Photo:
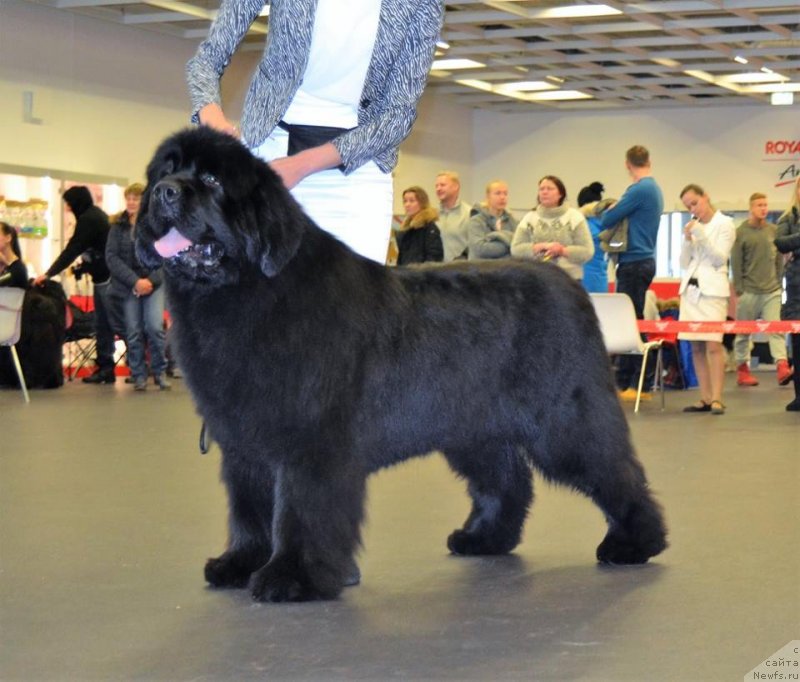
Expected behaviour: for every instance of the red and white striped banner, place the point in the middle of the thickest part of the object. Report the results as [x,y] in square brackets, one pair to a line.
[727,327]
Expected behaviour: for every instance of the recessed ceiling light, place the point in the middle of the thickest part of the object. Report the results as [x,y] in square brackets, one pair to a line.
[478,85]
[576,12]
[773,87]
[442,45]
[508,90]
[781,98]
[754,77]
[525,86]
[555,79]
[455,64]
[740,59]
[558,95]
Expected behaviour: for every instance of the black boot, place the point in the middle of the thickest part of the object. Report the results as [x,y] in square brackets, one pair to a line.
[101,376]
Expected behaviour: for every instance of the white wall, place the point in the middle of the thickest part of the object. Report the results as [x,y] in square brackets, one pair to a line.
[106,94]
[720,148]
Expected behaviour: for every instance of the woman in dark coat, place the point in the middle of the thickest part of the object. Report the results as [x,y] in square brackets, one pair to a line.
[139,290]
[13,272]
[787,240]
[419,240]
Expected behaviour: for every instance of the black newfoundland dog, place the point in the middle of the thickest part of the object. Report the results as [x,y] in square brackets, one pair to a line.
[314,367]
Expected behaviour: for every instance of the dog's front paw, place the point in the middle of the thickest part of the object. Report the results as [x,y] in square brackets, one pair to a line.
[274,583]
[615,549]
[231,569]
[467,544]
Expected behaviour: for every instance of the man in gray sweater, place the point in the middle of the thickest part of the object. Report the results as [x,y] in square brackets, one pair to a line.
[757,273]
[454,215]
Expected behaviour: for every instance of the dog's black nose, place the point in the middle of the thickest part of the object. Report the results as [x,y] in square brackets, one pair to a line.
[167,191]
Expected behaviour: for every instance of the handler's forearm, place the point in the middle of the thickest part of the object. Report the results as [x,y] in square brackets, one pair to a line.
[292,169]
[318,159]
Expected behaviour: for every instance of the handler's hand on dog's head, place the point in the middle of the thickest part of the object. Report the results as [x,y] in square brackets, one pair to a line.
[211,115]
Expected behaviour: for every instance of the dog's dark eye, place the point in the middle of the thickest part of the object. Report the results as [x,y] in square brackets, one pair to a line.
[209,179]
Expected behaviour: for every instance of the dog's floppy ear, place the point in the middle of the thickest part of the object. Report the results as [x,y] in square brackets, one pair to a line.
[142,234]
[281,224]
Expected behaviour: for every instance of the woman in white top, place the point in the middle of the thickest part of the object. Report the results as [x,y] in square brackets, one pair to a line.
[330,102]
[554,231]
[707,242]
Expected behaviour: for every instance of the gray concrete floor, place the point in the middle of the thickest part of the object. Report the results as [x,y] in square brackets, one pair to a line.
[107,513]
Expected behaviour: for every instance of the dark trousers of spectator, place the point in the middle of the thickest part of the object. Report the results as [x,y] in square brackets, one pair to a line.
[104,332]
[794,339]
[634,279]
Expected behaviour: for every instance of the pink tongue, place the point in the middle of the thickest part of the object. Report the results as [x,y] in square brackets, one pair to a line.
[171,243]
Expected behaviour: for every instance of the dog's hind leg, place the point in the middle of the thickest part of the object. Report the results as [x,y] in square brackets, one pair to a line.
[636,529]
[318,511]
[501,491]
[250,501]
[601,463]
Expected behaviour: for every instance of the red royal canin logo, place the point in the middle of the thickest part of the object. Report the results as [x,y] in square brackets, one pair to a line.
[785,153]
[782,147]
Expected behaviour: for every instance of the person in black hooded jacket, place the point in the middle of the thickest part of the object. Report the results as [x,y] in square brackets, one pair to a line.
[89,242]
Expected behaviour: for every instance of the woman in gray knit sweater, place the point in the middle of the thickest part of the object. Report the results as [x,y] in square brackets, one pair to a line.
[554,231]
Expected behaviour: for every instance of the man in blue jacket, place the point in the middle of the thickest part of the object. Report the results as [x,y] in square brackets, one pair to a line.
[642,204]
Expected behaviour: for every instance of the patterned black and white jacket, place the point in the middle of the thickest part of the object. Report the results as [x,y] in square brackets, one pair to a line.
[403,53]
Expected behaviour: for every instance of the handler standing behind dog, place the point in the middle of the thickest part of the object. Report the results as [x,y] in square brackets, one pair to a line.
[332,99]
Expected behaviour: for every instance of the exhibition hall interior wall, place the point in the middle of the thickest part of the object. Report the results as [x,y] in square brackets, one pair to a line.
[730,151]
[101,97]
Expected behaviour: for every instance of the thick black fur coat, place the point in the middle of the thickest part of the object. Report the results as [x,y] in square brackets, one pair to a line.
[313,367]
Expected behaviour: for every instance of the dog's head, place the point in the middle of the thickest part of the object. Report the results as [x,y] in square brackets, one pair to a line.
[213,212]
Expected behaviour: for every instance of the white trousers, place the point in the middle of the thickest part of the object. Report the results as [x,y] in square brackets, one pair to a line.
[355,208]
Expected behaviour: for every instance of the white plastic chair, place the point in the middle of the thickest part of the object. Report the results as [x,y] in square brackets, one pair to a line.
[621,335]
[10,327]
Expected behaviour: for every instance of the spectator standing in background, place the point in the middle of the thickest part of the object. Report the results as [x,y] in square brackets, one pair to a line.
[554,231]
[642,204]
[418,239]
[787,241]
[757,273]
[491,228]
[13,272]
[705,249]
[453,215]
[89,242]
[595,270]
[141,294]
